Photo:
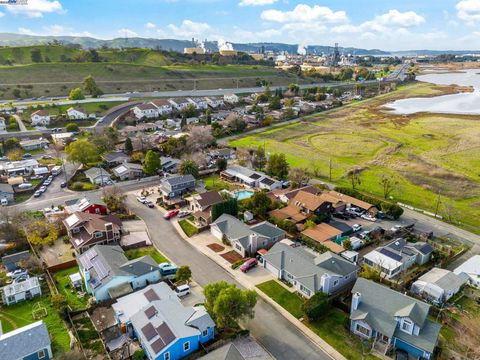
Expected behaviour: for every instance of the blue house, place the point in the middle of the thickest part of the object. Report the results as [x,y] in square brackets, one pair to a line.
[165,328]
[30,342]
[108,273]
[393,320]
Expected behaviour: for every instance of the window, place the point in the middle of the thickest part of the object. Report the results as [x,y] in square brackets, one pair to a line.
[41,354]
[362,330]
[205,333]
[305,290]
[98,234]
[407,326]
[186,346]
[166,356]
[335,283]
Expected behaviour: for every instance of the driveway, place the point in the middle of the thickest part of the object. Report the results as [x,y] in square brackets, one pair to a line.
[269,327]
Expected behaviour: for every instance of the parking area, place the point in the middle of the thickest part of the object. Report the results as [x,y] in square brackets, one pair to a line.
[195,297]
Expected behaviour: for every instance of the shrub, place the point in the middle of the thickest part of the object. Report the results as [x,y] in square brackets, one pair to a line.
[316,307]
[238,263]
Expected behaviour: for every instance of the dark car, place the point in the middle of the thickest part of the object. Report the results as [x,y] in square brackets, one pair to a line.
[341,215]
[63,184]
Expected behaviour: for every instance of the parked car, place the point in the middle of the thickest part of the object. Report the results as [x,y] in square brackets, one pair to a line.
[43,189]
[171,214]
[142,199]
[47,157]
[37,194]
[25,186]
[341,215]
[369,217]
[183,213]
[396,228]
[150,204]
[357,227]
[248,265]
[355,211]
[364,234]
[182,290]
[26,156]
[63,184]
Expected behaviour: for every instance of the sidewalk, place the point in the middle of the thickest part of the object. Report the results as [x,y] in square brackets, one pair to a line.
[254,277]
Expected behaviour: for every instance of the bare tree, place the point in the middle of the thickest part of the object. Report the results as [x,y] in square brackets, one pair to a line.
[114,198]
[389,184]
[244,157]
[299,176]
[198,158]
[354,177]
[199,138]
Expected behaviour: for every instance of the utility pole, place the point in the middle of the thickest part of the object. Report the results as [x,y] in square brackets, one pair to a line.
[330,168]
[438,204]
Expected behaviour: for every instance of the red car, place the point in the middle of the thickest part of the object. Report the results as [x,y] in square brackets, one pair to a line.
[248,265]
[171,214]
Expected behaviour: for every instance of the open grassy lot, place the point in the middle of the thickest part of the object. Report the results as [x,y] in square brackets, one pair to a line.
[289,301]
[64,286]
[188,228]
[15,316]
[427,154]
[149,250]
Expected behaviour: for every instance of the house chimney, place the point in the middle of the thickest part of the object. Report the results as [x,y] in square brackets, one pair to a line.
[356,298]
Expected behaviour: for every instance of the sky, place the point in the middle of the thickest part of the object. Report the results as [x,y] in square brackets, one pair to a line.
[380,24]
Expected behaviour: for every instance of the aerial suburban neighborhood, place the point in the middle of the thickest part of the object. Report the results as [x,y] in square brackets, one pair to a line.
[164,197]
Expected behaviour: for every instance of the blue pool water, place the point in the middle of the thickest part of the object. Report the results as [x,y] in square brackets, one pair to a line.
[243,194]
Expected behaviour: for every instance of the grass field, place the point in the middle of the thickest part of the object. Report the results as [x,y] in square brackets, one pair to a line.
[188,228]
[427,154]
[289,301]
[149,250]
[64,287]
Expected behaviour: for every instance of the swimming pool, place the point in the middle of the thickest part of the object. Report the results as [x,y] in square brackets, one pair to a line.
[243,194]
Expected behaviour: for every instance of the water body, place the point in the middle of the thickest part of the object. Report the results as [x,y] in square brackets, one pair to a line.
[464,103]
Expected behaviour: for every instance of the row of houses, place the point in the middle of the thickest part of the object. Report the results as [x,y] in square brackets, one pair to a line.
[42,117]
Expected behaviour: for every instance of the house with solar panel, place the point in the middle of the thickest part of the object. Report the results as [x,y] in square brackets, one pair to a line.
[249,177]
[108,274]
[398,256]
[166,329]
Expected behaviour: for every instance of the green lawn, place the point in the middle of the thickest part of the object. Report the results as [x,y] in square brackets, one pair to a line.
[188,228]
[15,316]
[214,183]
[65,287]
[289,301]
[149,250]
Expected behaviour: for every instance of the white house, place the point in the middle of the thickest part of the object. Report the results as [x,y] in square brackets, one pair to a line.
[230,98]
[199,103]
[164,107]
[179,104]
[214,102]
[98,176]
[40,117]
[3,126]
[145,111]
[76,114]
[438,285]
[470,270]
[21,291]
[249,177]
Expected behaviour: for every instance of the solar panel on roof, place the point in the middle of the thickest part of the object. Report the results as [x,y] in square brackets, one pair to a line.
[425,249]
[150,312]
[158,345]
[151,295]
[149,331]
[100,269]
[390,254]
[165,333]
[255,176]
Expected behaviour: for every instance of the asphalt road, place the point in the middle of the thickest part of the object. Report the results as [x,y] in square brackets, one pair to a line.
[269,327]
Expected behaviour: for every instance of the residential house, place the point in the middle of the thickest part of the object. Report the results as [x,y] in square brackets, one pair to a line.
[392,320]
[21,290]
[115,158]
[285,195]
[199,103]
[21,167]
[165,328]
[175,186]
[470,270]
[77,114]
[438,285]
[246,240]
[254,179]
[310,273]
[201,206]
[3,125]
[145,111]
[179,104]
[398,256]
[164,107]
[341,201]
[62,138]
[35,144]
[6,192]
[225,153]
[169,165]
[108,273]
[128,171]
[86,206]
[214,102]
[302,206]
[325,235]
[86,230]
[242,348]
[30,342]
[231,98]
[40,117]
[98,176]
[12,261]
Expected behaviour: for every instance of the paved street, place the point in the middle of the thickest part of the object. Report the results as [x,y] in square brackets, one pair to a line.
[269,327]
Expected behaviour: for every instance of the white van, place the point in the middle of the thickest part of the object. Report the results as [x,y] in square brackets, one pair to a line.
[182,290]
[4,202]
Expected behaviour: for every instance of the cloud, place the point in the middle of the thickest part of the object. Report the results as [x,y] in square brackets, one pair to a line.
[127,32]
[1,14]
[303,13]
[55,30]
[36,8]
[189,28]
[150,25]
[256,2]
[468,10]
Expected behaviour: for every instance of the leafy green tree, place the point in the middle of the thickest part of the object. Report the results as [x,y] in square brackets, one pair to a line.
[72,127]
[316,307]
[139,354]
[189,111]
[128,146]
[221,164]
[76,94]
[259,159]
[229,206]
[310,224]
[278,166]
[41,232]
[346,74]
[151,164]
[82,152]
[11,143]
[347,244]
[275,103]
[294,88]
[227,304]
[36,55]
[260,203]
[189,167]
[91,87]
[184,274]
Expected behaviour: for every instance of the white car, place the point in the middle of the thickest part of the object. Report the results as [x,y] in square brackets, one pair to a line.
[182,290]
[183,214]
[396,228]
[369,217]
[357,227]
[43,189]
[142,199]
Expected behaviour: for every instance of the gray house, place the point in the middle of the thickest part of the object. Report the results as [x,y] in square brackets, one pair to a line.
[309,273]
[176,186]
[6,192]
[393,320]
[98,176]
[128,171]
[30,342]
[12,261]
[438,285]
[246,240]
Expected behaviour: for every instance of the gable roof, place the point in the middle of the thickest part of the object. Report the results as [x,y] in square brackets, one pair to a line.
[21,287]
[161,102]
[21,342]
[177,180]
[322,232]
[444,279]
[232,227]
[41,113]
[96,172]
[350,200]
[309,189]
[116,156]
[14,258]
[209,198]
[307,200]
[470,267]
[147,106]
